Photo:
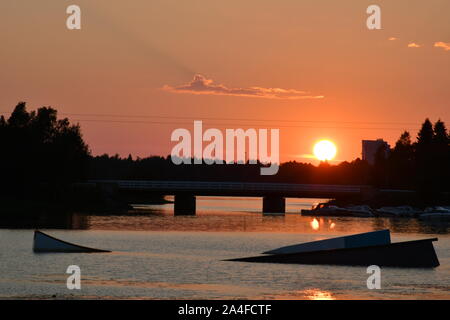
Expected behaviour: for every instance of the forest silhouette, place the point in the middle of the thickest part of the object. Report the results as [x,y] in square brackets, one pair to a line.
[42,154]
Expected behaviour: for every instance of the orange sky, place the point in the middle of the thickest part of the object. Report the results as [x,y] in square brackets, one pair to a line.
[110,75]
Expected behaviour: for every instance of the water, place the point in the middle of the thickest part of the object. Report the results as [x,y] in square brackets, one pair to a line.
[159,256]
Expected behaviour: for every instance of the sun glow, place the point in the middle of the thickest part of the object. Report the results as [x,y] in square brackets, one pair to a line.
[317,294]
[325,150]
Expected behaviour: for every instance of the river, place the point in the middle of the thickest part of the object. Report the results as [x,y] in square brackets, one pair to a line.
[158,256]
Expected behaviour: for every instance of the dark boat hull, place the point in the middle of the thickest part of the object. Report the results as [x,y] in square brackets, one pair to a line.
[409,254]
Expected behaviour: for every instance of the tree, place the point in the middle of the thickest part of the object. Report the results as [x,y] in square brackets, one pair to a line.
[380,172]
[440,133]
[401,162]
[426,133]
[2,122]
[19,117]
[38,148]
[404,142]
[431,157]
[441,156]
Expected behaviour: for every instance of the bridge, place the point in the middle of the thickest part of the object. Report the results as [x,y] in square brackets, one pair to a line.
[273,194]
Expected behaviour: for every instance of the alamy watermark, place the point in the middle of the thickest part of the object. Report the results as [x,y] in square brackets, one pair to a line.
[73,21]
[74,280]
[374,280]
[373,22]
[190,147]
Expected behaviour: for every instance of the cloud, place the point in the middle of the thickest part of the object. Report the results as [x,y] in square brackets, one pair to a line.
[444,45]
[202,85]
[413,45]
[392,38]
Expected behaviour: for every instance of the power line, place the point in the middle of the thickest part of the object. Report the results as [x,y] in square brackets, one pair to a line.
[233,119]
[218,119]
[246,125]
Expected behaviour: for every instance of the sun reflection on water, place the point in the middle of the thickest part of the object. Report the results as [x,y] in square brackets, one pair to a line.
[317,294]
[317,224]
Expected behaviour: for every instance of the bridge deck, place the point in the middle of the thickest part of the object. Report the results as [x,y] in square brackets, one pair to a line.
[234,188]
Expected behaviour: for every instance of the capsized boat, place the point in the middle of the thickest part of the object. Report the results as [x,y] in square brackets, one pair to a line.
[357,240]
[43,242]
[408,254]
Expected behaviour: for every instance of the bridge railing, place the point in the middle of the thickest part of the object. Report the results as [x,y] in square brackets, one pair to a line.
[229,186]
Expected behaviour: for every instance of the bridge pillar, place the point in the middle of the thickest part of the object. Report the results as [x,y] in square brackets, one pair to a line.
[274,204]
[184,205]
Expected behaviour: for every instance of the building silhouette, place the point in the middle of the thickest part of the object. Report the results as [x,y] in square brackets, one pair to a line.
[371,147]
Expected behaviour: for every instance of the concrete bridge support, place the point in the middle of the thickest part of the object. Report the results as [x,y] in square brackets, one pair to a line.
[274,204]
[184,205]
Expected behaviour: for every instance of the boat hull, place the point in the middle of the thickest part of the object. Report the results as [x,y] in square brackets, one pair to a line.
[409,254]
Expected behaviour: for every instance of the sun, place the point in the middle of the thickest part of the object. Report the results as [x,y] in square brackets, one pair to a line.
[325,150]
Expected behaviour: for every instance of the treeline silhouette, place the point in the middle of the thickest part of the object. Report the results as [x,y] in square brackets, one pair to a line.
[42,152]
[422,165]
[160,168]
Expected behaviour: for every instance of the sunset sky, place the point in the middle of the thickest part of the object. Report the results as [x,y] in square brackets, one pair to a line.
[139,69]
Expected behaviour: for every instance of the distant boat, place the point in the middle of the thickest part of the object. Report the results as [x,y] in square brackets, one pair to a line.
[436,213]
[408,254]
[353,241]
[326,210]
[45,243]
[399,211]
[435,216]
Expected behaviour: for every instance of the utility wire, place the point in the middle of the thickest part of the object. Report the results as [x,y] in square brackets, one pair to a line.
[222,119]
[246,125]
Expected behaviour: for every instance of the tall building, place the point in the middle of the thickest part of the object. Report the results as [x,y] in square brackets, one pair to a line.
[370,148]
